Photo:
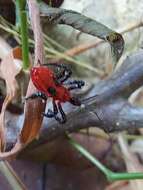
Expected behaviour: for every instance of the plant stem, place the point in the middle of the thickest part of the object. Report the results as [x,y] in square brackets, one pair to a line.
[86,154]
[53,42]
[11,176]
[21,4]
[57,53]
[68,58]
[107,172]
[125,176]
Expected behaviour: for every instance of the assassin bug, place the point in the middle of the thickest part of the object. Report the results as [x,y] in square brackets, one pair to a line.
[56,86]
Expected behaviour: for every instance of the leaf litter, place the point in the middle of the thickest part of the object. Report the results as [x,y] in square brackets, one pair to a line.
[32,108]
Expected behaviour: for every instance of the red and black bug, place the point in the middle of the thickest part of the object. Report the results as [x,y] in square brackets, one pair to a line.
[55,85]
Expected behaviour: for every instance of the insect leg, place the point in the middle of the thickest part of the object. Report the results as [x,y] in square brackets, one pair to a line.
[75,84]
[75,101]
[37,95]
[51,113]
[63,76]
[63,119]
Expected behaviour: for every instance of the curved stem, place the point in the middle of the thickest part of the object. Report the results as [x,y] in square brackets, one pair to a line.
[107,172]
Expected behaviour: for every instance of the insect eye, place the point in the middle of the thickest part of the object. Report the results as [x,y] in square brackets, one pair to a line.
[52,91]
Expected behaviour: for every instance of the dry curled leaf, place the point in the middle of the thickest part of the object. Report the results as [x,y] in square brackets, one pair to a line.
[10,67]
[33,117]
[86,25]
[33,108]
[31,126]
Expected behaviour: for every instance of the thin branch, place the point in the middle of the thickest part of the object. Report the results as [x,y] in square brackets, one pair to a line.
[132,27]
[38,37]
[111,104]
[82,48]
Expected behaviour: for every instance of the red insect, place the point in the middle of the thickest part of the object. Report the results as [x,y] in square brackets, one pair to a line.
[54,85]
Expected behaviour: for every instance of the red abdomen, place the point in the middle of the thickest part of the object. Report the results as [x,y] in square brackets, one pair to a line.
[43,79]
[63,94]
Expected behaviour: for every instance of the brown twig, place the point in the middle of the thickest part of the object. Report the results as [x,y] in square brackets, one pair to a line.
[82,48]
[38,37]
[132,27]
[111,104]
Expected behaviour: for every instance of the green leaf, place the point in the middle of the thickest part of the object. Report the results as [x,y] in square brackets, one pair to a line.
[86,25]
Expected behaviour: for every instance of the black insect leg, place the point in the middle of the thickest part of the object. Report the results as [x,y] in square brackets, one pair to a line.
[75,84]
[75,101]
[37,95]
[63,119]
[51,113]
[64,75]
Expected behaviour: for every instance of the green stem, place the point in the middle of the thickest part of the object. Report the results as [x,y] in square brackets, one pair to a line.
[87,155]
[24,32]
[107,172]
[125,176]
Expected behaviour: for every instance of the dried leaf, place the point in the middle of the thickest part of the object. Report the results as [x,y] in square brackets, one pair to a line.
[33,117]
[86,25]
[9,69]
[33,108]
[4,47]
[118,185]
[31,126]
[13,152]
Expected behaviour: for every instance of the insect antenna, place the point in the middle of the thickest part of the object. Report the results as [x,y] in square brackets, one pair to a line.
[89,98]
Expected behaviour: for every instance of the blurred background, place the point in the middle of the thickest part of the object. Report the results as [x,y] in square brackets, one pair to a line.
[67,169]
